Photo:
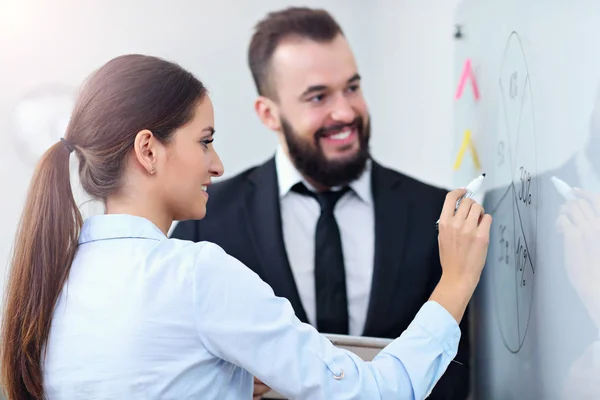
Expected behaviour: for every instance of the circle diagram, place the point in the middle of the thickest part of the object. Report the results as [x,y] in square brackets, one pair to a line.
[514,201]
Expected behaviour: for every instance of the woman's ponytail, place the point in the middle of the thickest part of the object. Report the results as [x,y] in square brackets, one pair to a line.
[44,248]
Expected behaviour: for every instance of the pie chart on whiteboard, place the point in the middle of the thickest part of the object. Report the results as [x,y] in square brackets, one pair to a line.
[512,254]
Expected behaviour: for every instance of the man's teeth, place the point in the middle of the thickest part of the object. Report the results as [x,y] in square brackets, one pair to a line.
[204,187]
[342,135]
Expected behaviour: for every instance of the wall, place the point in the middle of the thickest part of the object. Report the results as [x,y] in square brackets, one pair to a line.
[411,96]
[404,51]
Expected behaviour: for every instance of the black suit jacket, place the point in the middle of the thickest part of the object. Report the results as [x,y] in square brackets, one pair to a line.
[243,217]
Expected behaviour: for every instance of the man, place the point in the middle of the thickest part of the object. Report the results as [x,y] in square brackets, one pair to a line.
[364,268]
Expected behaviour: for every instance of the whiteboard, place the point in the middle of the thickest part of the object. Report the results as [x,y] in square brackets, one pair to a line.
[532,107]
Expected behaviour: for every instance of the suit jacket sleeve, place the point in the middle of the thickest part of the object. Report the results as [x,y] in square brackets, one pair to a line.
[187,230]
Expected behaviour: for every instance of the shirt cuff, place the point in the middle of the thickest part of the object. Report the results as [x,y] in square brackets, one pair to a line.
[437,321]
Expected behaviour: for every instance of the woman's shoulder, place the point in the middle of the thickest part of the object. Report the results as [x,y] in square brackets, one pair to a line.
[190,249]
[202,255]
[210,262]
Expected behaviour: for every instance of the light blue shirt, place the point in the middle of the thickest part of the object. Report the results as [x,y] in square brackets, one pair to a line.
[143,316]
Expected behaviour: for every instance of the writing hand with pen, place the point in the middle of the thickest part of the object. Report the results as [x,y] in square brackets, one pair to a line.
[579,224]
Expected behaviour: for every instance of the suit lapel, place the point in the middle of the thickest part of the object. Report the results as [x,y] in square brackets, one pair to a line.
[391,216]
[264,220]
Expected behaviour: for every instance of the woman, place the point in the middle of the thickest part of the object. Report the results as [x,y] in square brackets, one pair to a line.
[112,308]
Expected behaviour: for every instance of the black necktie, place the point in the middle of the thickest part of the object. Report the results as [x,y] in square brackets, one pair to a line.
[330,277]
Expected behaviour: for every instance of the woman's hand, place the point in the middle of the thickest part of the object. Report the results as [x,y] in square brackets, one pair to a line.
[463,239]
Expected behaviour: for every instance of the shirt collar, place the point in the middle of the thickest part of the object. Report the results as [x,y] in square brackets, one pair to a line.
[118,226]
[288,176]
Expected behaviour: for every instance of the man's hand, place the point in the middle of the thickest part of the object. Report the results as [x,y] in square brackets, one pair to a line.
[579,223]
[259,389]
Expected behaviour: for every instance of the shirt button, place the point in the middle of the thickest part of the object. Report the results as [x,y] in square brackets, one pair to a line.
[339,376]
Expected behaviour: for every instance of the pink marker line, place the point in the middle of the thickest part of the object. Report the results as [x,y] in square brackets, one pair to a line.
[467,73]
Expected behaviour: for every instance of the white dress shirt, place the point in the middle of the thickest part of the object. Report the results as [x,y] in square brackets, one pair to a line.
[146,317]
[354,214]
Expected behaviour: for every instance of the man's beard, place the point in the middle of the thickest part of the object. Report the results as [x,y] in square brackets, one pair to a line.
[310,160]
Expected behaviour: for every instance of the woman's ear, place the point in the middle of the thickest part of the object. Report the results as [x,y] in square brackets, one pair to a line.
[145,150]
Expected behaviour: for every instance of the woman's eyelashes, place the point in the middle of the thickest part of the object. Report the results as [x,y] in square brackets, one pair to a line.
[206,142]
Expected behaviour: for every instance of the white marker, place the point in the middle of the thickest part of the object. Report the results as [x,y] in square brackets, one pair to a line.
[565,190]
[472,189]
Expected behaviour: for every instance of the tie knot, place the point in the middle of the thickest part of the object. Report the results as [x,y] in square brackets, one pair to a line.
[327,199]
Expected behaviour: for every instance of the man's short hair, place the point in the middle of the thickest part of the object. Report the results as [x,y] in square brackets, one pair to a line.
[300,22]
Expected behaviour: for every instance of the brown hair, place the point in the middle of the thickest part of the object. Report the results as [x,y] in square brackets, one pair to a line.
[302,22]
[128,94]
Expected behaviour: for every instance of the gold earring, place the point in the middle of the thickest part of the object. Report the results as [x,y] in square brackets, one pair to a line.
[152,171]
